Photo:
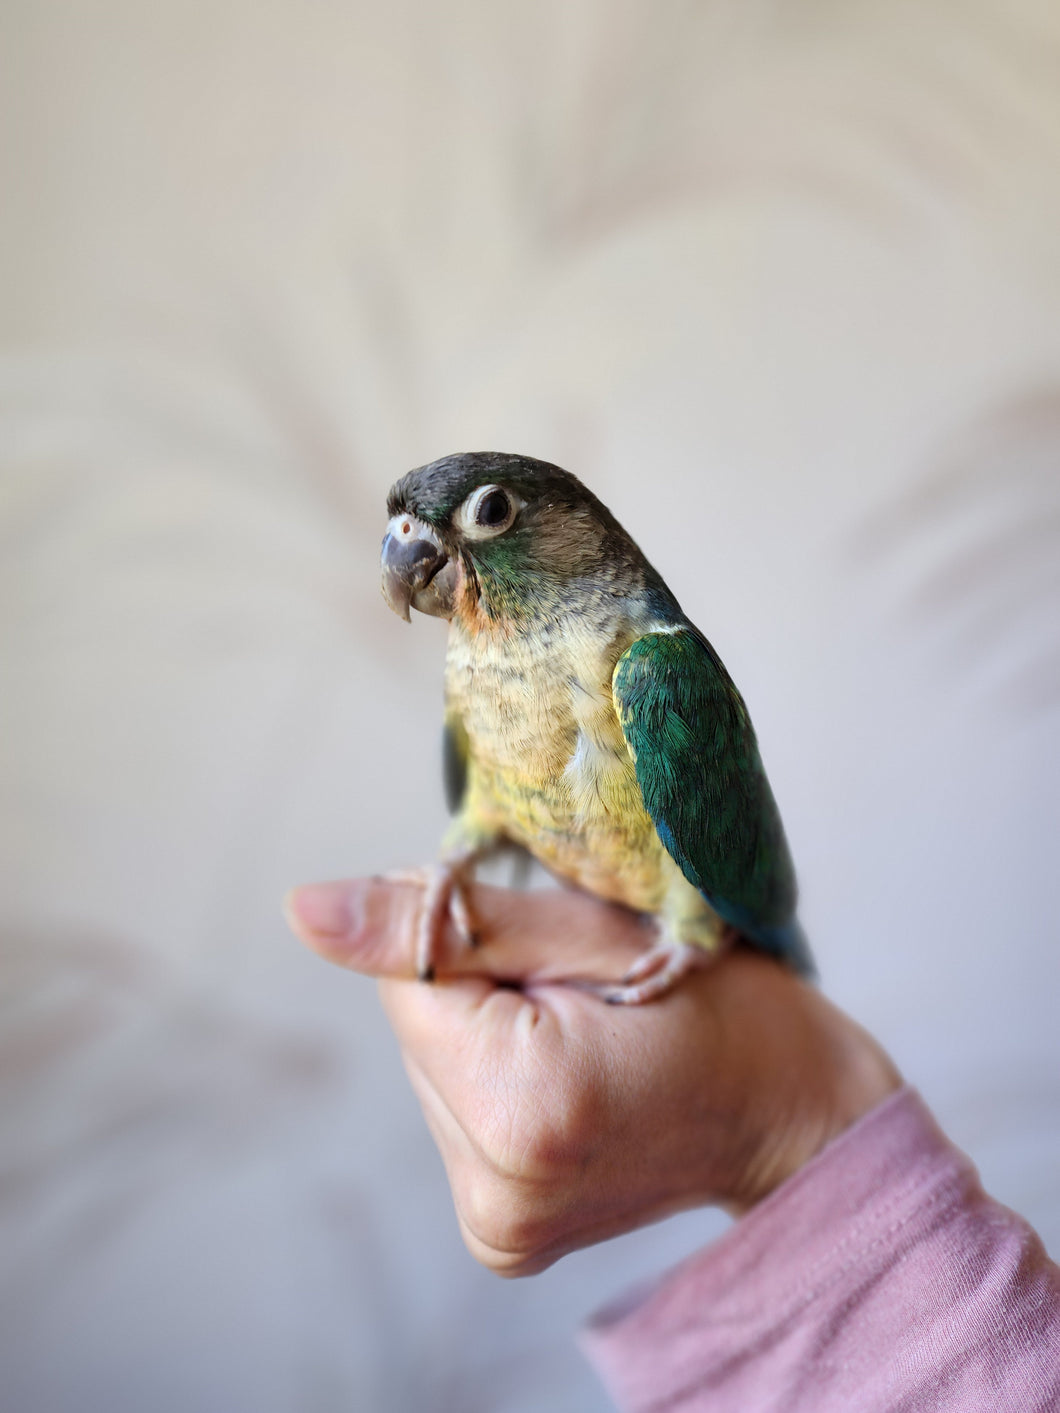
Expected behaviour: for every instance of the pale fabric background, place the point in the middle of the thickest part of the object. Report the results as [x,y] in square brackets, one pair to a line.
[782,282]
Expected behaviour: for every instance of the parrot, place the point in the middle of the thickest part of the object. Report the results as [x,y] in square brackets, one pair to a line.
[586,720]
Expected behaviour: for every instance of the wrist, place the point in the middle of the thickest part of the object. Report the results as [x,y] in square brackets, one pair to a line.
[807,1073]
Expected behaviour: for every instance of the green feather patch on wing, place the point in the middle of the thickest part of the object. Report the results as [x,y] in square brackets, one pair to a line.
[454,762]
[701,778]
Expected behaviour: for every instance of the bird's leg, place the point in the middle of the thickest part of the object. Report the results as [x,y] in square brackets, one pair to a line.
[688,935]
[458,867]
[446,895]
[444,899]
[657,970]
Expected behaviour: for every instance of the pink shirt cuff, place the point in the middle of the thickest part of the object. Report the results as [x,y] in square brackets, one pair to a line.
[880,1276]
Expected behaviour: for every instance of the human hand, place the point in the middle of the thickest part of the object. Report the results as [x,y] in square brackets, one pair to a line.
[562,1120]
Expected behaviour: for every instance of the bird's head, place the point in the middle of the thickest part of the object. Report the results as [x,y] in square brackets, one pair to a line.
[498,532]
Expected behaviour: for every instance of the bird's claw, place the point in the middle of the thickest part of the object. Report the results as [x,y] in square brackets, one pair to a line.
[655,972]
[445,897]
[460,913]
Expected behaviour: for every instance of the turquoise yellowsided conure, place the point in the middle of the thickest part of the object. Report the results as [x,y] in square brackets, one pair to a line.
[586,719]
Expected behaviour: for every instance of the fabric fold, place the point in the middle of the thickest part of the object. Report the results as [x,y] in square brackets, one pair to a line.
[879,1276]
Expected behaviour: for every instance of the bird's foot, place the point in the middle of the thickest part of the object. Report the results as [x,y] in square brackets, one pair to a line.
[445,899]
[657,971]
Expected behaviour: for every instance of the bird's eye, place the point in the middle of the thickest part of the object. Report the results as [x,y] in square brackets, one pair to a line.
[487,512]
[492,510]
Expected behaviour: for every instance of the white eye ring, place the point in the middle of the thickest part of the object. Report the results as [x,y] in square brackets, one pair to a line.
[466,517]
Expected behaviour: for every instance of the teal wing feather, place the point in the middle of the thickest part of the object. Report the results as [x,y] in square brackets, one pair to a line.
[704,786]
[454,762]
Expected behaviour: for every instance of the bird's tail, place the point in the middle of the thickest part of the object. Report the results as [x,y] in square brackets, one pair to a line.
[788,944]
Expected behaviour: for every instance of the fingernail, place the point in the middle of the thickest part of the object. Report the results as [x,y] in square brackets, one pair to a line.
[323,908]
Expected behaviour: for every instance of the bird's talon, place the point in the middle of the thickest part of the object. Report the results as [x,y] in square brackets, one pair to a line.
[444,899]
[656,972]
[460,914]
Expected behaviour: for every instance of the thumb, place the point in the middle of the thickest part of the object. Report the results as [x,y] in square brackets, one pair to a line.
[369,925]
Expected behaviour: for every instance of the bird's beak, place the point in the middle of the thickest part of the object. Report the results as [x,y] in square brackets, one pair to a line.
[417,571]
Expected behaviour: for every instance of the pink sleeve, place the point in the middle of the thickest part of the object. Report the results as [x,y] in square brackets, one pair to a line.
[880,1276]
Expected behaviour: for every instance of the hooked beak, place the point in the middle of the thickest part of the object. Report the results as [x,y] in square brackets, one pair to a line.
[417,572]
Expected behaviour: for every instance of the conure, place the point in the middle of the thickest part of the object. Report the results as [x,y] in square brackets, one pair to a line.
[586,718]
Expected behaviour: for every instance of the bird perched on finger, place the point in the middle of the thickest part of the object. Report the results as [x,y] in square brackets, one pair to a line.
[586,718]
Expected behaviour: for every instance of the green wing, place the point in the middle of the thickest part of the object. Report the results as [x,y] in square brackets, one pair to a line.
[703,784]
[454,762]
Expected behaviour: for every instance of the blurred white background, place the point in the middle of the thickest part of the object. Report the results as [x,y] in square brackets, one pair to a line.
[781,282]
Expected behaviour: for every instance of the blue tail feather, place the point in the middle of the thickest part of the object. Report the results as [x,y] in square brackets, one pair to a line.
[788,943]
